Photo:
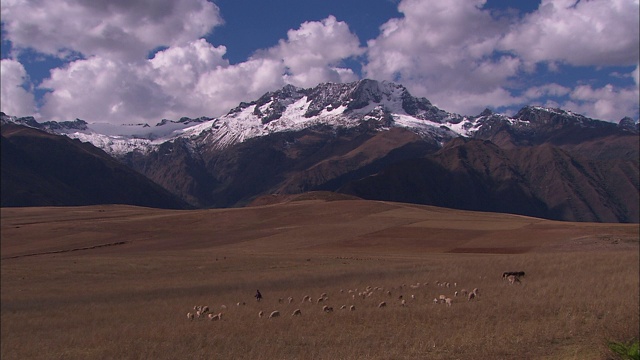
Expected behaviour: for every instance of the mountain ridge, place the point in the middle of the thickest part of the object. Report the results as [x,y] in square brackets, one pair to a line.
[350,137]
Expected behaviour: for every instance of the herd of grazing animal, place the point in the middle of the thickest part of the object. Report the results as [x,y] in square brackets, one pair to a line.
[404,295]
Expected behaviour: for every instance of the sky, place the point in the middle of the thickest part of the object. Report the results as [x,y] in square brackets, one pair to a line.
[140,61]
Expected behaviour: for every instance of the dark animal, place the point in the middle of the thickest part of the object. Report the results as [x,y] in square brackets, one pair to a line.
[514,273]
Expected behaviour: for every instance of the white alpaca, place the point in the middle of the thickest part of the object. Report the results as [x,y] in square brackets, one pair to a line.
[296,312]
[273,314]
[190,316]
[382,304]
[513,279]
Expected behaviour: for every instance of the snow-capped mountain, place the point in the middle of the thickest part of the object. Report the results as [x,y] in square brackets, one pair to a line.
[375,140]
[383,104]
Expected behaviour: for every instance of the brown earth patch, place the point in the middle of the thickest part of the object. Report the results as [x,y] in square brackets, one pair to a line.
[504,250]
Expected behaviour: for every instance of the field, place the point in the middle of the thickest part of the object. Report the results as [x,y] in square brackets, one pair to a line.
[116,282]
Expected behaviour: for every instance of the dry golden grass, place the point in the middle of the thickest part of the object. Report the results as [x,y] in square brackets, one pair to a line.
[130,300]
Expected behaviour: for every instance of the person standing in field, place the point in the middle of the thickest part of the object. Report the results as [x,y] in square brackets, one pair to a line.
[258,295]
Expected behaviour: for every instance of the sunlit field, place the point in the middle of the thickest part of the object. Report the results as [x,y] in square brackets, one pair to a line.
[117,282]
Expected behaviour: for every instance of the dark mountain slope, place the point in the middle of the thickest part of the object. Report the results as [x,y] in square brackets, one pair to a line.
[542,181]
[41,169]
[317,158]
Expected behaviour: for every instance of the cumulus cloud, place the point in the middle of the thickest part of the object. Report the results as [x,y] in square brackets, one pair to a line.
[445,50]
[312,52]
[458,54]
[464,58]
[101,89]
[111,29]
[578,32]
[607,102]
[194,79]
[16,100]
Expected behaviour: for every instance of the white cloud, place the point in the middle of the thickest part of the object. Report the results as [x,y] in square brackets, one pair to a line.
[538,92]
[112,29]
[445,51]
[194,79]
[606,103]
[15,99]
[463,59]
[455,53]
[100,89]
[597,32]
[312,52]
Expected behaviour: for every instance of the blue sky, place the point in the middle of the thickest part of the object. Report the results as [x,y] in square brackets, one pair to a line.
[144,60]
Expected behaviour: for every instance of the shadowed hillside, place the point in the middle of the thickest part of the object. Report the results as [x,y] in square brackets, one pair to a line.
[40,169]
[543,181]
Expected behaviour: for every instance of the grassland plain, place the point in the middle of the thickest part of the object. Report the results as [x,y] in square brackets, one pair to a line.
[116,282]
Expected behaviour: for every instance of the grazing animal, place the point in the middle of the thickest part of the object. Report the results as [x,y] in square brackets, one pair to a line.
[327,309]
[296,312]
[382,304]
[261,314]
[215,317]
[205,309]
[442,298]
[472,295]
[343,307]
[455,293]
[352,308]
[290,299]
[435,300]
[513,279]
[273,314]
[190,316]
[306,298]
[448,301]
[506,274]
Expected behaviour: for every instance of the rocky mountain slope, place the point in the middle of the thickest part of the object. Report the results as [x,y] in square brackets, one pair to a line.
[43,169]
[375,140]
